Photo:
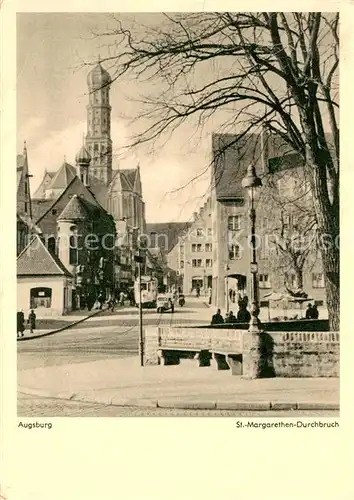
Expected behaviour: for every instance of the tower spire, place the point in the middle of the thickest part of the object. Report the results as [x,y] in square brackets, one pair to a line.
[24,148]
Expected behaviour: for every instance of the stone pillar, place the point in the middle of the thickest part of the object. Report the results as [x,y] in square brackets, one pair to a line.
[251,354]
[151,345]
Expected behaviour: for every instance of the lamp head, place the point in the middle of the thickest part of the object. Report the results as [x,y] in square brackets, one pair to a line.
[251,181]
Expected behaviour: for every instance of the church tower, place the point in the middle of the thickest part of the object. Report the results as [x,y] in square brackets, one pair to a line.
[98,139]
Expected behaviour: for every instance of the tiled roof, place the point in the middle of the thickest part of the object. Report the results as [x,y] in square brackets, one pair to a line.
[19,176]
[46,180]
[36,260]
[75,210]
[169,231]
[231,158]
[63,177]
[129,175]
[20,161]
[40,207]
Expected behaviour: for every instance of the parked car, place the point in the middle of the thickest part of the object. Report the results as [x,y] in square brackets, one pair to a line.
[165,302]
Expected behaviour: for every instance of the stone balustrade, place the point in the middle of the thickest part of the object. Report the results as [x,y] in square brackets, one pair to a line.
[268,354]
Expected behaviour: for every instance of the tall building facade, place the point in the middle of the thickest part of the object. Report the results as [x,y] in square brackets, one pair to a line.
[192,255]
[98,138]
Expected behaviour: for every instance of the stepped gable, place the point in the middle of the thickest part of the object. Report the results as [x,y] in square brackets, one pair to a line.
[36,260]
[63,177]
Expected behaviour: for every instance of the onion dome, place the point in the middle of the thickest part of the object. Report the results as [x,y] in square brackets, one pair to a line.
[83,157]
[98,77]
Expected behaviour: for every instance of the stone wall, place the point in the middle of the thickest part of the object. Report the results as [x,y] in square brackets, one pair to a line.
[269,354]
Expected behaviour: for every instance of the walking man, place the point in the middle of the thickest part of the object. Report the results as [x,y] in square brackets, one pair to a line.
[32,320]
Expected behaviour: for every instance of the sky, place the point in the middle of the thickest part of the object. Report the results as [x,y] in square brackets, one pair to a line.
[52,49]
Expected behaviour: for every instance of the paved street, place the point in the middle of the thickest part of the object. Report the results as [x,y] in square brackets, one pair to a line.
[109,335]
[29,406]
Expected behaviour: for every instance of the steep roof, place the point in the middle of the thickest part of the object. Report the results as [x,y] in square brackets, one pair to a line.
[231,157]
[36,260]
[63,177]
[20,161]
[45,182]
[40,207]
[129,175]
[169,231]
[75,210]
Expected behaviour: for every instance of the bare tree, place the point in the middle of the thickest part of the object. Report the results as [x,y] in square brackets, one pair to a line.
[271,68]
[289,235]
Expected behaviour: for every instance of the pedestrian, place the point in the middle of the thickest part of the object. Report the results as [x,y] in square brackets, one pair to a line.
[100,300]
[198,291]
[243,315]
[233,296]
[121,298]
[171,303]
[209,293]
[309,312]
[32,320]
[315,312]
[20,323]
[217,319]
[113,303]
[231,318]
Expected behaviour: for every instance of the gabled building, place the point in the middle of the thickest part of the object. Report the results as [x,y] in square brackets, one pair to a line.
[191,257]
[43,282]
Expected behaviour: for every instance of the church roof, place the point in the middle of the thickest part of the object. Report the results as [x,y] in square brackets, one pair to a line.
[98,77]
[36,260]
[123,180]
[40,207]
[76,209]
[129,175]
[46,180]
[63,177]
[20,161]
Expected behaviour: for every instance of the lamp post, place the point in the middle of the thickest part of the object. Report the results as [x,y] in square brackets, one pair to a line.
[227,286]
[252,183]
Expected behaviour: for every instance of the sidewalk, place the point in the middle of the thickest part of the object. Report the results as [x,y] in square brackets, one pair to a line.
[123,382]
[50,325]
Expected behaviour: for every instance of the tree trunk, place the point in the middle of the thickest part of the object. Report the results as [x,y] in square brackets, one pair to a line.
[327,215]
[299,278]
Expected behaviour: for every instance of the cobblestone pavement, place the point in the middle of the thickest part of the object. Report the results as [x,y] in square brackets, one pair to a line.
[28,406]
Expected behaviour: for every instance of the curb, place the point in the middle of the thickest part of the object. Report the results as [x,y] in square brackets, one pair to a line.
[186,405]
[66,327]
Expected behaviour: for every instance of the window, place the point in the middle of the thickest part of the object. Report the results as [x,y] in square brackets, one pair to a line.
[197,247]
[26,206]
[197,263]
[208,263]
[210,232]
[54,211]
[264,281]
[200,231]
[181,250]
[234,252]
[208,247]
[40,297]
[26,189]
[234,222]
[182,264]
[73,253]
[317,280]
[52,245]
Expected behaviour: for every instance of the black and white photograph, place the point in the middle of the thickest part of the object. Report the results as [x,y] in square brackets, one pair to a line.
[178,214]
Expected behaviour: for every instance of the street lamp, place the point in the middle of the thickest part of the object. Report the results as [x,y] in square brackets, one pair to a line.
[227,269]
[253,183]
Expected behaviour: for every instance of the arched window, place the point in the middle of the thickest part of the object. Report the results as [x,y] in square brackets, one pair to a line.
[73,252]
[51,245]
